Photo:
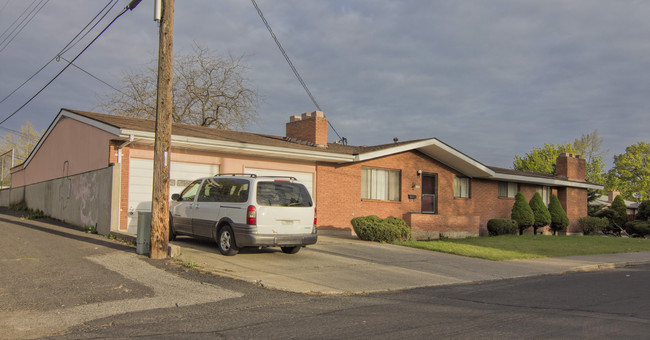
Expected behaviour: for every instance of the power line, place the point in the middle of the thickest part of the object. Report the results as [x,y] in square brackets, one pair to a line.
[43,2]
[293,68]
[69,45]
[20,16]
[130,6]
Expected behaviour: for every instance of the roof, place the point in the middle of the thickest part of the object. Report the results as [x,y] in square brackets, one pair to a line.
[142,131]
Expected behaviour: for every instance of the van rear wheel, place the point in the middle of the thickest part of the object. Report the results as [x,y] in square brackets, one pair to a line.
[226,241]
[290,250]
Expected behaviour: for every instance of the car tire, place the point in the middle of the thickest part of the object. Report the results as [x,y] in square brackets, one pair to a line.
[290,250]
[172,233]
[226,241]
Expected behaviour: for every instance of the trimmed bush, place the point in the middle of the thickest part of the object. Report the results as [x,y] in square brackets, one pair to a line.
[502,226]
[522,213]
[592,225]
[618,205]
[374,228]
[641,228]
[643,214]
[540,211]
[405,231]
[559,219]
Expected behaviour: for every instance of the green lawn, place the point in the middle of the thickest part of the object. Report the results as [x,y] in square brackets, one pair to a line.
[500,248]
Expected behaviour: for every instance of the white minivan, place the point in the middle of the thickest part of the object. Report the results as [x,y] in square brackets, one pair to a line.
[245,210]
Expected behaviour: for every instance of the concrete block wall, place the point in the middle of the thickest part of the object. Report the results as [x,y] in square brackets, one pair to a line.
[83,200]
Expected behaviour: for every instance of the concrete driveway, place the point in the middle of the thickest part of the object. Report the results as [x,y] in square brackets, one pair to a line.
[349,266]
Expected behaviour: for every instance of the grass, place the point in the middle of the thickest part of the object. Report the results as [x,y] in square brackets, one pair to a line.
[501,248]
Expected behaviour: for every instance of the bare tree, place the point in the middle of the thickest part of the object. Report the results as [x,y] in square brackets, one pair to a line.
[23,142]
[208,90]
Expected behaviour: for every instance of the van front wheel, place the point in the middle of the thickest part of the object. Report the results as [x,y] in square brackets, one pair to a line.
[290,250]
[226,241]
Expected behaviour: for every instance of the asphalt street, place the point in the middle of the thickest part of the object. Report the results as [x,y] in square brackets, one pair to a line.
[62,283]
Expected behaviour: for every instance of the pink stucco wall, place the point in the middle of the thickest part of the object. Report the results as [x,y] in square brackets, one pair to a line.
[71,148]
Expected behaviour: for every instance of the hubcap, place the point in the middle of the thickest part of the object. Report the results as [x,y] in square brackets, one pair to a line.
[225,240]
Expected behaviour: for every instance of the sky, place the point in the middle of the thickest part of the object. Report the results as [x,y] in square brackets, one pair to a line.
[493,79]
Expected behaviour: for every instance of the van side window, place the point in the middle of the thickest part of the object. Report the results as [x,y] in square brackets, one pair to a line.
[190,191]
[224,190]
[210,191]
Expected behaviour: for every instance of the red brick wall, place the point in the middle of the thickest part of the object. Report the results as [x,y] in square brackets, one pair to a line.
[574,202]
[339,197]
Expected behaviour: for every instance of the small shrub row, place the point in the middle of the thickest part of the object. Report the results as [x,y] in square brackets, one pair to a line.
[640,228]
[502,226]
[593,225]
[374,228]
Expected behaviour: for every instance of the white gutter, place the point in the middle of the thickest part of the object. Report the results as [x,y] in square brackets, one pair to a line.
[545,181]
[245,148]
[119,148]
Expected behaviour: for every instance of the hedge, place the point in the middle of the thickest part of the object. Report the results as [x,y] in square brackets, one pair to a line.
[641,228]
[592,225]
[502,226]
[374,228]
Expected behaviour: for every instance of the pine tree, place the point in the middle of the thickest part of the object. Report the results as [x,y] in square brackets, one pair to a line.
[559,219]
[522,213]
[618,205]
[540,211]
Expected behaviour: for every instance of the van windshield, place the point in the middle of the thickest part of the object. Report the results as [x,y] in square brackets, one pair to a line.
[283,194]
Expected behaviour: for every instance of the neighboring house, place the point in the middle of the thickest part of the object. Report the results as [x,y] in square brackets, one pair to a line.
[95,169]
[606,202]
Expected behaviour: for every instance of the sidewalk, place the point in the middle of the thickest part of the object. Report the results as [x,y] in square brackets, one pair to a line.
[347,266]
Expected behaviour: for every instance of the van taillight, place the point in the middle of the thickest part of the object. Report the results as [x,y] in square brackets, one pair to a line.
[251,215]
[315,219]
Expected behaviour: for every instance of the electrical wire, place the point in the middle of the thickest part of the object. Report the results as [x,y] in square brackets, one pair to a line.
[293,68]
[69,45]
[130,6]
[43,2]
[20,16]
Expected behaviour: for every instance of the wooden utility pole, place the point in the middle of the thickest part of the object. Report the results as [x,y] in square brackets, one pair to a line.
[162,146]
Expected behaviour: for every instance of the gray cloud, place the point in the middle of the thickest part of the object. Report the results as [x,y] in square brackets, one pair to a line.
[492,79]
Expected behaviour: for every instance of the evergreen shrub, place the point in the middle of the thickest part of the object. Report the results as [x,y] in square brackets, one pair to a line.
[640,228]
[502,226]
[559,219]
[522,213]
[374,228]
[592,225]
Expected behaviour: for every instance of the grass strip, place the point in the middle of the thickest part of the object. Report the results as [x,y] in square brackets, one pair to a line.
[511,247]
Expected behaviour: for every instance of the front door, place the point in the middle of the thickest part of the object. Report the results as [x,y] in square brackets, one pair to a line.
[429,190]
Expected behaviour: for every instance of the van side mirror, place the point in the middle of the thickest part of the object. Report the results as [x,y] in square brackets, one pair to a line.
[176,197]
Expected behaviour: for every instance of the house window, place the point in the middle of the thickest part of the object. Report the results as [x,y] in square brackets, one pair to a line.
[380,184]
[461,187]
[507,189]
[545,192]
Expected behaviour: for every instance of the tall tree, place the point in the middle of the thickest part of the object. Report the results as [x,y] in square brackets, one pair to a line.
[631,171]
[542,159]
[208,90]
[589,146]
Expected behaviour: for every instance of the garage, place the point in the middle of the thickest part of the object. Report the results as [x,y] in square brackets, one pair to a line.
[141,182]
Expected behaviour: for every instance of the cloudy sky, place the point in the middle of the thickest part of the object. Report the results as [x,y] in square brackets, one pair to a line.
[493,79]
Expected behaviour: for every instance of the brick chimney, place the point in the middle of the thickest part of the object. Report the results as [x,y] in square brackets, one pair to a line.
[612,195]
[571,166]
[308,128]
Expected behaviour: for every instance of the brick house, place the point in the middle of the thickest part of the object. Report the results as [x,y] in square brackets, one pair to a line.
[435,188]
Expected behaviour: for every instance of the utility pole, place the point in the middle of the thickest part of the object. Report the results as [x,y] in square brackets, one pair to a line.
[162,146]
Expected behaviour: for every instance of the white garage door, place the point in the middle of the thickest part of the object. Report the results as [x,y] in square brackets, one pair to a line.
[141,182]
[306,178]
